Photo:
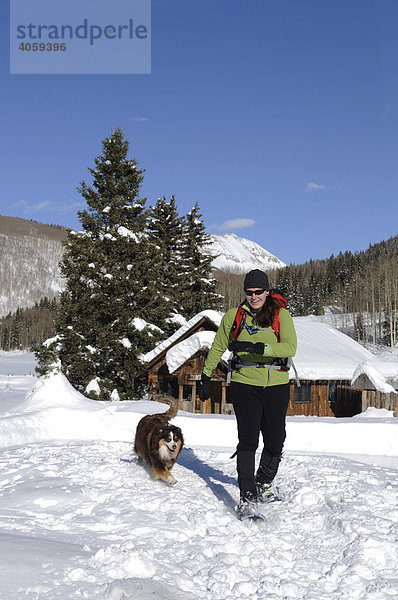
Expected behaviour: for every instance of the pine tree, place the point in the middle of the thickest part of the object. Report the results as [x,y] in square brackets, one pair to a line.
[165,228]
[198,287]
[106,311]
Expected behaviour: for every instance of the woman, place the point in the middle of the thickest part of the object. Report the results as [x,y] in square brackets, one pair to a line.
[259,388]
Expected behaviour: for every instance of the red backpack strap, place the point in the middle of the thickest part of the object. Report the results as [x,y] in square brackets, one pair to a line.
[239,323]
[275,324]
[281,300]
[282,304]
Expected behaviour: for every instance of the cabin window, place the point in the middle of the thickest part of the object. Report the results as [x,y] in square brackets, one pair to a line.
[170,386]
[187,392]
[302,394]
[333,391]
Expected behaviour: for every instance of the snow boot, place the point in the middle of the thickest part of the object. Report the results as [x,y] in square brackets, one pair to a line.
[247,507]
[268,468]
[245,463]
[265,493]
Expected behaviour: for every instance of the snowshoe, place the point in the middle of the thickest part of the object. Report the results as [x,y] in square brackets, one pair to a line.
[247,509]
[266,493]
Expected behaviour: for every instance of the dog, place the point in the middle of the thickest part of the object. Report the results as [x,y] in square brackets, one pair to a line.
[158,443]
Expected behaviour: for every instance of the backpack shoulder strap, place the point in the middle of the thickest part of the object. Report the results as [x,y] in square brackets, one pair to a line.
[282,304]
[275,324]
[239,322]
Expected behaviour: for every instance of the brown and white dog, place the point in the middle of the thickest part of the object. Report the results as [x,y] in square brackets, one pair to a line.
[158,443]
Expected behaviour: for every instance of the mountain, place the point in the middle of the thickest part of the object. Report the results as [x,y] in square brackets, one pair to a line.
[30,254]
[29,257]
[232,253]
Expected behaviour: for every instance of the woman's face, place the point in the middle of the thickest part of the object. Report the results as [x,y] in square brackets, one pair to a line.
[256,300]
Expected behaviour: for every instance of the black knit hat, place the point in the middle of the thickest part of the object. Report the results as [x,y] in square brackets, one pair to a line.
[256,279]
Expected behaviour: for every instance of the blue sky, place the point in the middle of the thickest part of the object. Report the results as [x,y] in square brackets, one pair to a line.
[278,116]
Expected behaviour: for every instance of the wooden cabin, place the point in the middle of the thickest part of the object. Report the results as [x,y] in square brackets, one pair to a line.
[177,375]
[378,385]
[324,398]
[326,360]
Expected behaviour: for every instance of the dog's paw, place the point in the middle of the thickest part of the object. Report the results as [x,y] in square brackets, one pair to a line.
[171,480]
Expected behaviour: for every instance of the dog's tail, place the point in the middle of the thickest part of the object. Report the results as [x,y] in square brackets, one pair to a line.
[173,407]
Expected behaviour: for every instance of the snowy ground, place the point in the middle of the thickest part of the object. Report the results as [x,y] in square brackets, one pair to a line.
[80,519]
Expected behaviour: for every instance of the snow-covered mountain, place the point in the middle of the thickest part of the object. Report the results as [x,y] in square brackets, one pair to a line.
[30,254]
[238,254]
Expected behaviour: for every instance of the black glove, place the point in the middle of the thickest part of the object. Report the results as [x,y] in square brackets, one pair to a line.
[204,387]
[257,348]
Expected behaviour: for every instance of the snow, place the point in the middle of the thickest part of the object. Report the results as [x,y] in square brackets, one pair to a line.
[93,386]
[126,343]
[140,324]
[376,413]
[47,343]
[124,232]
[177,319]
[81,519]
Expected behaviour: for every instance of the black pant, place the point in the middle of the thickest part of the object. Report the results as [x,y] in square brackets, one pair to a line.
[258,409]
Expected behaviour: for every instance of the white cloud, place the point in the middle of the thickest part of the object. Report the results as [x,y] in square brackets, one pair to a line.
[46,206]
[18,204]
[69,208]
[139,119]
[315,187]
[235,224]
[40,206]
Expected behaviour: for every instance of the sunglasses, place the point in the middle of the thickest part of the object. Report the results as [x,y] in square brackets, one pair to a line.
[254,292]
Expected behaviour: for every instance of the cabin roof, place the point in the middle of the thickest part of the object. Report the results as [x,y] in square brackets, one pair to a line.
[212,317]
[323,352]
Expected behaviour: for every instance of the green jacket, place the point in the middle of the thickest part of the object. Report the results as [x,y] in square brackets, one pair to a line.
[286,347]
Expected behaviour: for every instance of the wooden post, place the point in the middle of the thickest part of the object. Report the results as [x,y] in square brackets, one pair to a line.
[223,396]
[194,391]
[364,401]
[206,407]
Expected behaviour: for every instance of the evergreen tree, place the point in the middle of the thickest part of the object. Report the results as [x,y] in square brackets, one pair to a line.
[165,228]
[111,301]
[197,284]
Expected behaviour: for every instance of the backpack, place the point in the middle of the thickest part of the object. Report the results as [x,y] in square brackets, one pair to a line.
[240,317]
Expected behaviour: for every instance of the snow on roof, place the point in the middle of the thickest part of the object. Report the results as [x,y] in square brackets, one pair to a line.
[178,354]
[377,378]
[212,315]
[388,367]
[326,353]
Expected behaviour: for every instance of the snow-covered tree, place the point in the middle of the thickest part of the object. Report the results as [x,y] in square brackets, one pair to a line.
[165,229]
[111,309]
[197,284]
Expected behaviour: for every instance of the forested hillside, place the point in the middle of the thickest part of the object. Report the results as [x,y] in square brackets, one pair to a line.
[28,327]
[29,257]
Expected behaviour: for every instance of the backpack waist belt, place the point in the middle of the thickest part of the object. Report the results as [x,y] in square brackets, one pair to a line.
[279,364]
